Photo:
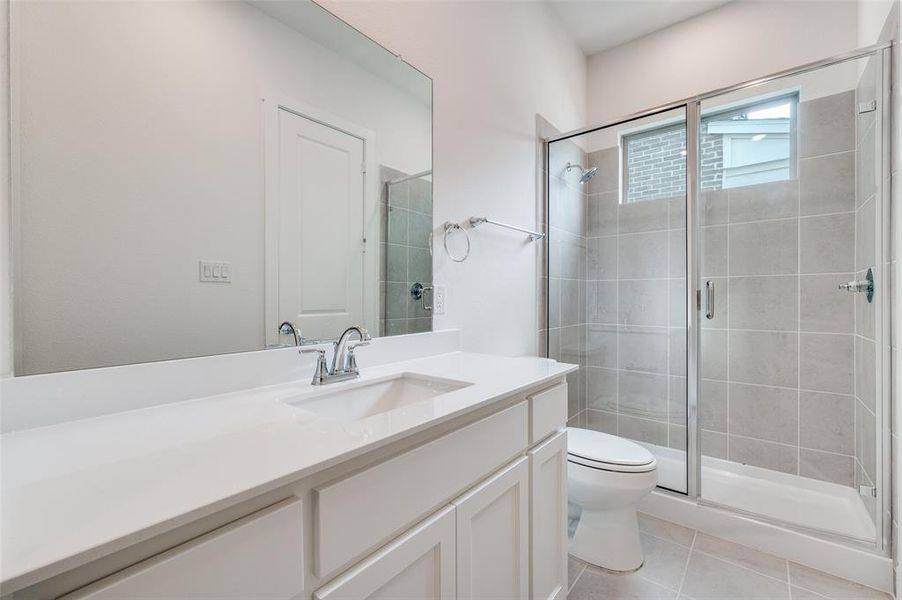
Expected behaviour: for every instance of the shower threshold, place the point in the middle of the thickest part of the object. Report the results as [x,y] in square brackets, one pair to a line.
[791,499]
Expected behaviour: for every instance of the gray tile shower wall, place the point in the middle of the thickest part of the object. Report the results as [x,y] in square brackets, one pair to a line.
[781,360]
[406,211]
[635,316]
[567,264]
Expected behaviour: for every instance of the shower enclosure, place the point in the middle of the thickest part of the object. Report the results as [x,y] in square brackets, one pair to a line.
[405,280]
[720,280]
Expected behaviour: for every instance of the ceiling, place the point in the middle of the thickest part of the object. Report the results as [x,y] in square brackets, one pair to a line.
[597,25]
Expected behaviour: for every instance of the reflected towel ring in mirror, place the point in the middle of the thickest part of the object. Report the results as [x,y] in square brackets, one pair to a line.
[449,229]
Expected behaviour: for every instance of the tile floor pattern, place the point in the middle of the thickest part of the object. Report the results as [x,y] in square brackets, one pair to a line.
[690,565]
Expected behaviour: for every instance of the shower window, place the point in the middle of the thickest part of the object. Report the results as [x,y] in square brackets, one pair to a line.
[746,145]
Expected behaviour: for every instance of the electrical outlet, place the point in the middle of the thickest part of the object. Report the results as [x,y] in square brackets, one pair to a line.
[438,301]
[215,271]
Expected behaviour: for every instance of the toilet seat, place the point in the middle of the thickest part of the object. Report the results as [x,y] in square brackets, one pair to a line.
[605,452]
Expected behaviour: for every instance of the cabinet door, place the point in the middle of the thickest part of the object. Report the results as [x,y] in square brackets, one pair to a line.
[493,537]
[548,518]
[418,565]
[260,556]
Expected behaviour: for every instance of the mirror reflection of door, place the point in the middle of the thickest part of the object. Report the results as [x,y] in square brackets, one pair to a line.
[321,229]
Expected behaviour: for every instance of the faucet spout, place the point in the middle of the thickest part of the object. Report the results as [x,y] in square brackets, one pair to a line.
[340,356]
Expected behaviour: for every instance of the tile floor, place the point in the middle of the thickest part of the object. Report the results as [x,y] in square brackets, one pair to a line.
[690,565]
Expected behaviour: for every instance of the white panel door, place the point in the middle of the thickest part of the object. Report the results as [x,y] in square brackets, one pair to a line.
[417,566]
[493,537]
[548,519]
[321,229]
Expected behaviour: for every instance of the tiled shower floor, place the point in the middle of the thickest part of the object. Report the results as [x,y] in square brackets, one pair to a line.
[690,565]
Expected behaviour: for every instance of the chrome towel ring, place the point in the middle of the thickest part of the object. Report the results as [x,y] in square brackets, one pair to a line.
[451,228]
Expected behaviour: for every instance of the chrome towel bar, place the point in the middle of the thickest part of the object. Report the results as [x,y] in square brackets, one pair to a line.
[533,235]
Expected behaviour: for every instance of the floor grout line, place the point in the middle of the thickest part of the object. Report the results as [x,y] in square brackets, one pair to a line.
[686,567]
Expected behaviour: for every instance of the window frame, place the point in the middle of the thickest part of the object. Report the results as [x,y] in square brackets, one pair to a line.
[741,107]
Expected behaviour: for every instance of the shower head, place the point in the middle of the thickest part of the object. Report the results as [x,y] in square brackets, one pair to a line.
[585,174]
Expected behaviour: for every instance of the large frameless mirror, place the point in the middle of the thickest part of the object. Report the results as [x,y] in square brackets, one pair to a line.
[187,176]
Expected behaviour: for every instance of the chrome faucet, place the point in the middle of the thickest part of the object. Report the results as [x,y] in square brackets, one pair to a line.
[288,327]
[344,363]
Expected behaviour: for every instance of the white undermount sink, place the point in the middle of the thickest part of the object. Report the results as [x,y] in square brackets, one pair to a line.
[373,398]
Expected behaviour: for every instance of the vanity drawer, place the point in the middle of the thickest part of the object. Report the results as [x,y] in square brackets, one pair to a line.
[547,412]
[258,556]
[358,513]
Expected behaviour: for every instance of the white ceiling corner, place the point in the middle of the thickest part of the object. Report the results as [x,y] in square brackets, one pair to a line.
[598,25]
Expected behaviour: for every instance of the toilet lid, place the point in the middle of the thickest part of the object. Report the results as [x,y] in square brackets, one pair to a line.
[595,446]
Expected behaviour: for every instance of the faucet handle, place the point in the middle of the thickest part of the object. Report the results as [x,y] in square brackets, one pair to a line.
[321,373]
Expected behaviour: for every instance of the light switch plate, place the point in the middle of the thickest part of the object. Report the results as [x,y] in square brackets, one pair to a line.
[438,302]
[215,271]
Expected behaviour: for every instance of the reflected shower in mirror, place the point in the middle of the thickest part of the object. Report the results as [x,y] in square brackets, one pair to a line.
[190,175]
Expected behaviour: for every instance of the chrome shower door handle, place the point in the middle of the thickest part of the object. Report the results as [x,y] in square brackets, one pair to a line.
[709,299]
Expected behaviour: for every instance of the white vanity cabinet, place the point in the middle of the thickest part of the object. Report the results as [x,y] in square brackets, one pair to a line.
[419,564]
[548,518]
[492,534]
[475,511]
[260,556]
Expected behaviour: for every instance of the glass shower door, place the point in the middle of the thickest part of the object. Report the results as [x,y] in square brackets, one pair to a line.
[789,214]
[617,282]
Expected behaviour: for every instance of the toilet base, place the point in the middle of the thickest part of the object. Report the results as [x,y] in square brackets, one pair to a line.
[608,539]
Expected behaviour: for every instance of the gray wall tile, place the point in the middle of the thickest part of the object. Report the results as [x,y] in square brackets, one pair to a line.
[764,201]
[649,215]
[865,372]
[601,302]
[712,406]
[770,302]
[826,362]
[827,184]
[826,244]
[827,125]
[601,388]
[643,255]
[601,218]
[827,422]
[714,444]
[824,307]
[714,207]
[643,302]
[601,258]
[643,349]
[865,236]
[601,346]
[643,430]
[643,395]
[768,455]
[767,248]
[835,468]
[604,421]
[764,357]
[765,413]
[712,258]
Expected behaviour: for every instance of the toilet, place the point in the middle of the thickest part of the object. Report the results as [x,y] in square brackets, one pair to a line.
[607,476]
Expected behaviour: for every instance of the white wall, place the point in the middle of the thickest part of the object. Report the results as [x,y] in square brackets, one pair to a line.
[495,65]
[137,163]
[738,41]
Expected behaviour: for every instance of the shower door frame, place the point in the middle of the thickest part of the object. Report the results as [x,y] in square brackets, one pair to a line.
[692,107]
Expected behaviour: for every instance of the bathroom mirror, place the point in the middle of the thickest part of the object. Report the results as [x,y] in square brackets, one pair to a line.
[189,175]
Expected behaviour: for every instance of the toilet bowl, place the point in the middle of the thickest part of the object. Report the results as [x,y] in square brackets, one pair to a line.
[607,476]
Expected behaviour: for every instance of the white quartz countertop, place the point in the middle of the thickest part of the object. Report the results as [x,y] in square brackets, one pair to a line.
[74,492]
